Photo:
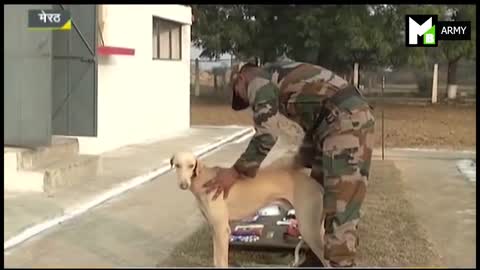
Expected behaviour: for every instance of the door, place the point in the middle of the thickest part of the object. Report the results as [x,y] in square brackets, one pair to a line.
[74,97]
[28,79]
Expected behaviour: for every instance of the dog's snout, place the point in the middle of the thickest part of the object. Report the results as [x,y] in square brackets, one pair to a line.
[184,185]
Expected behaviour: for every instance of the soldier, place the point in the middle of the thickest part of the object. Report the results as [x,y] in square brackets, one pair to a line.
[339,126]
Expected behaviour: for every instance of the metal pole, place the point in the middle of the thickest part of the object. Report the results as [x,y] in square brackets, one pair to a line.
[355,75]
[383,118]
[197,78]
[435,84]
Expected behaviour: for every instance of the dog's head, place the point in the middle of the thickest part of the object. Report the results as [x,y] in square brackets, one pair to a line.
[187,167]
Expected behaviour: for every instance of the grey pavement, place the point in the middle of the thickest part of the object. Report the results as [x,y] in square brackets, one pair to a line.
[424,154]
[445,205]
[140,228]
[444,199]
[137,229]
[405,100]
[23,210]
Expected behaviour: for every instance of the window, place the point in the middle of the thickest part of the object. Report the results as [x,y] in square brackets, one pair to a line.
[167,40]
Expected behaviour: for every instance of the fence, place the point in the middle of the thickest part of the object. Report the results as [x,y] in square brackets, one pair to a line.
[211,78]
[412,82]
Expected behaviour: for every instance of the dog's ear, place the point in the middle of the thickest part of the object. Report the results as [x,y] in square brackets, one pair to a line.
[197,168]
[171,161]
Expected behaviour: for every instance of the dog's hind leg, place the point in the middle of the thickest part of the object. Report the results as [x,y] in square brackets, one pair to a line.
[317,241]
[308,202]
[311,226]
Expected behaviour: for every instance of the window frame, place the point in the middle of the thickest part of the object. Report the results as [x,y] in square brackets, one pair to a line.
[156,25]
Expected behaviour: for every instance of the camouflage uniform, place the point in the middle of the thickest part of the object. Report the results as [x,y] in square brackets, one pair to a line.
[338,125]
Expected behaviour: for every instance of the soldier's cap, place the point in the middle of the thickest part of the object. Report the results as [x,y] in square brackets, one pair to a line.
[238,103]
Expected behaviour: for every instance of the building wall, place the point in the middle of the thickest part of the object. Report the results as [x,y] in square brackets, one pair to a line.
[28,80]
[140,98]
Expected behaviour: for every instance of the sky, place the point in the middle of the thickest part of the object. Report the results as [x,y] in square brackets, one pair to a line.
[195,53]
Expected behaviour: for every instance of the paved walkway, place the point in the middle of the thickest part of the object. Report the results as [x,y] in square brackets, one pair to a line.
[445,204]
[120,170]
[138,229]
[141,227]
[444,200]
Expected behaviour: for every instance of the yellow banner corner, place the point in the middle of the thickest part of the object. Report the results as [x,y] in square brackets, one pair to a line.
[67,25]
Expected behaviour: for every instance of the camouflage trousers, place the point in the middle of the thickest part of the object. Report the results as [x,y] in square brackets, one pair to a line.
[339,152]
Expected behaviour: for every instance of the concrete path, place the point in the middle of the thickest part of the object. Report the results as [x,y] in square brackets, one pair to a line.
[424,154]
[444,200]
[120,170]
[138,229]
[141,227]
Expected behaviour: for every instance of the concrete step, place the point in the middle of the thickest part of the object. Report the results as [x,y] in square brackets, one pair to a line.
[66,172]
[50,174]
[10,160]
[23,181]
[61,148]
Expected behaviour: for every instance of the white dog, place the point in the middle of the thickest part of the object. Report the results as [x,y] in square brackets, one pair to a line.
[280,181]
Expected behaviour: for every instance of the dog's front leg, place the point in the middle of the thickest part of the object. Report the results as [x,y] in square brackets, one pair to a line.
[221,233]
[220,245]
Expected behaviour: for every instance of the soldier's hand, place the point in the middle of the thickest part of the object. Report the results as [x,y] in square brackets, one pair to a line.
[222,182]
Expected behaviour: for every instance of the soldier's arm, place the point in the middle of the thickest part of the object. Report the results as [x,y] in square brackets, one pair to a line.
[265,114]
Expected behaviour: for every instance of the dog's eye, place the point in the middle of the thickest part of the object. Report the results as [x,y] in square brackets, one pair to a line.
[177,166]
[190,166]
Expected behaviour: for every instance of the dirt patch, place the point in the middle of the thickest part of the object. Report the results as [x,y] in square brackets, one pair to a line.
[389,233]
[439,126]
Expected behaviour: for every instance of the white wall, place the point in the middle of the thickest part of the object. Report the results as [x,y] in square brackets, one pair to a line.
[139,98]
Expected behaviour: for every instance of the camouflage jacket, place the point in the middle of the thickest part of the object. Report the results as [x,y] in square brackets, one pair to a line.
[295,90]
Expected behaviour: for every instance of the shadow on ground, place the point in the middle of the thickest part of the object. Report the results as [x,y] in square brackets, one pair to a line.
[389,233]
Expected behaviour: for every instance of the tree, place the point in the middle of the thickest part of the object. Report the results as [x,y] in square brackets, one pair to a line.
[453,51]
[334,36]
[331,35]
[337,36]
[313,36]
[213,29]
[420,58]
[271,29]
[243,30]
